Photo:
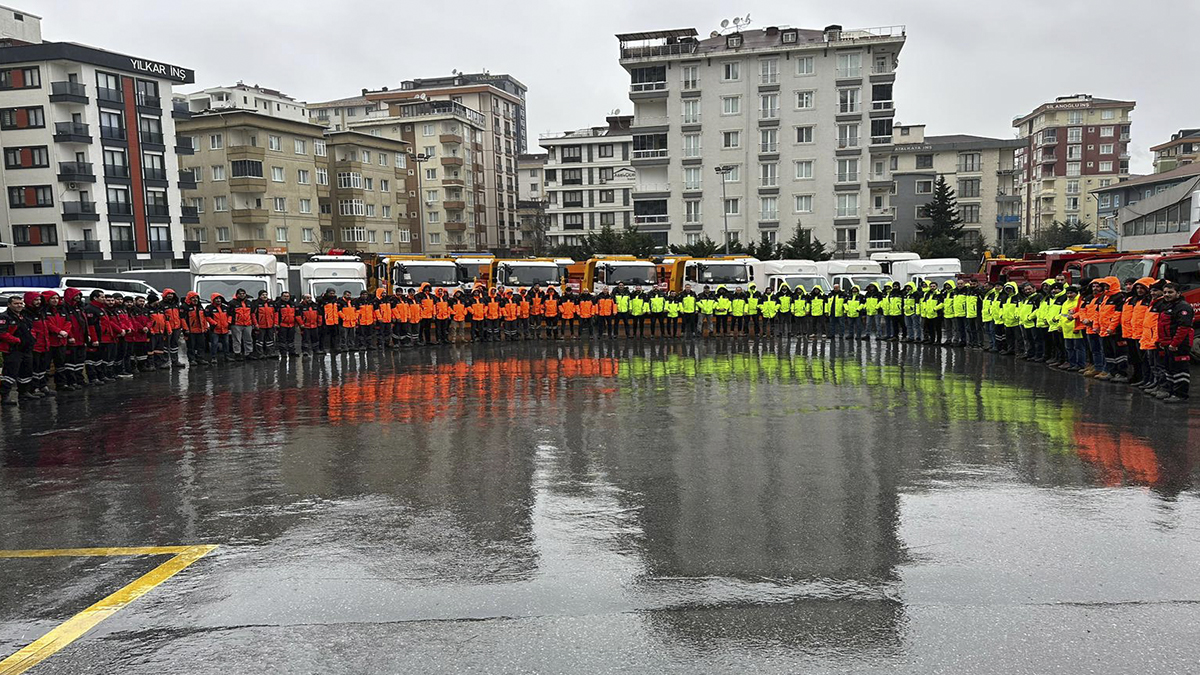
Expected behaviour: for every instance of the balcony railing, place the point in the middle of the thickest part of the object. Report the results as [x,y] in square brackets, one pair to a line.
[882,244]
[881,105]
[116,171]
[768,78]
[112,133]
[882,211]
[881,140]
[123,246]
[191,246]
[152,173]
[847,177]
[768,113]
[849,108]
[651,121]
[120,209]
[969,168]
[71,170]
[878,69]
[843,73]
[652,220]
[691,118]
[647,86]
[768,147]
[72,89]
[849,142]
[656,187]
[71,129]
[160,245]
[72,210]
[147,101]
[768,181]
[154,137]
[113,95]
[648,51]
[160,210]
[649,154]
[189,212]
[83,246]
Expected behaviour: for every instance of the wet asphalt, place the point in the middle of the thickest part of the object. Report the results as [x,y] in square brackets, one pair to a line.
[724,506]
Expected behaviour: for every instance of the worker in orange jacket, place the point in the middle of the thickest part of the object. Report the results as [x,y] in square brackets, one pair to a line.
[478,310]
[309,320]
[493,316]
[458,317]
[266,320]
[550,302]
[415,311]
[348,328]
[366,321]
[511,313]
[441,315]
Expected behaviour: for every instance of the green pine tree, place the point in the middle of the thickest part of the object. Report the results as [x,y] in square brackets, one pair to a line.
[803,246]
[941,236]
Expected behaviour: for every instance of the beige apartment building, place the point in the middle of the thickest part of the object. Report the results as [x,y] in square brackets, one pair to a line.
[280,186]
[496,113]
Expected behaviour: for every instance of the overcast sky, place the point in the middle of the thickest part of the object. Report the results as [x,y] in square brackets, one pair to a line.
[968,67]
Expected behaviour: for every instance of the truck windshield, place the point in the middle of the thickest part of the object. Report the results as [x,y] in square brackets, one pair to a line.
[1183,271]
[864,280]
[355,286]
[527,275]
[940,279]
[435,275]
[728,273]
[1131,269]
[633,275]
[807,283]
[228,287]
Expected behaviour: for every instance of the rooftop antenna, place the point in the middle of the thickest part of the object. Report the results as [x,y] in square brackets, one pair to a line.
[735,24]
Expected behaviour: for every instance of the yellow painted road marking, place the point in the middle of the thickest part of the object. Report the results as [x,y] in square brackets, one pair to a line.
[73,628]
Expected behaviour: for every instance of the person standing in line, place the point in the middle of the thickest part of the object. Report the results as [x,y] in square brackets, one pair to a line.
[174,314]
[243,326]
[1176,332]
[197,327]
[286,316]
[16,344]
[220,323]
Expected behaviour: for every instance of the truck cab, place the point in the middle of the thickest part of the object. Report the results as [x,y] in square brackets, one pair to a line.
[846,274]
[338,272]
[733,273]
[771,275]
[225,273]
[604,273]
[473,268]
[927,270]
[520,273]
[411,272]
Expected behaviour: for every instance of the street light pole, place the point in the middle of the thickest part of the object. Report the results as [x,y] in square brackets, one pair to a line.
[419,158]
[724,170]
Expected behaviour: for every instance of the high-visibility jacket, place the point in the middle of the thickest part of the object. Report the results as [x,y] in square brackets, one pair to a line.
[241,312]
[817,305]
[567,309]
[218,318]
[400,311]
[853,307]
[441,308]
[478,311]
[264,314]
[414,311]
[587,309]
[960,304]
[673,307]
[607,307]
[366,313]
[724,305]
[910,305]
[331,313]
[550,306]
[383,311]
[493,308]
[1025,309]
[687,304]
[638,306]
[708,306]
[752,304]
[800,306]
[871,305]
[1071,329]
[286,312]
[1149,339]
[785,303]
[174,317]
[458,311]
[308,316]
[622,302]
[194,320]
[511,310]
[523,308]
[738,307]
[658,304]
[770,308]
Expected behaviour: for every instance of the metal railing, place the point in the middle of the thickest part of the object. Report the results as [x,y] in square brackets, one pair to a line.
[75,168]
[151,137]
[652,220]
[768,147]
[847,177]
[158,210]
[116,171]
[647,86]
[848,142]
[68,89]
[649,154]
[154,173]
[655,187]
[881,105]
[120,209]
[881,140]
[123,246]
[83,246]
[71,129]
[78,208]
[106,94]
[649,51]
[882,244]
[147,101]
[112,133]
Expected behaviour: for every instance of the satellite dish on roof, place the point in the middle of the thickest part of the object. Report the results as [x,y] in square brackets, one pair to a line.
[724,23]
[747,19]
[737,21]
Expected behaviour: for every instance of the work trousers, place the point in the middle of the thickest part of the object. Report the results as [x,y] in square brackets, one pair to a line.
[243,340]
[1178,371]
[11,376]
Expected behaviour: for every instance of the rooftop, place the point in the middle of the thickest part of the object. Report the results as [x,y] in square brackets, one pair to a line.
[74,51]
[1074,102]
[1182,136]
[342,102]
[683,42]
[1176,174]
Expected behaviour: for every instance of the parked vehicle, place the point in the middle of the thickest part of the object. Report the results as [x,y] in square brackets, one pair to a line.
[178,280]
[519,273]
[770,275]
[338,272]
[888,258]
[225,273]
[847,274]
[57,282]
[604,272]
[922,270]
[732,272]
[473,268]
[410,272]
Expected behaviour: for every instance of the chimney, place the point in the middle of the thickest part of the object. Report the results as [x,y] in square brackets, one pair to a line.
[833,33]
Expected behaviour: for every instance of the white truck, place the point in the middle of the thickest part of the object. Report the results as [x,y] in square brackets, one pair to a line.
[733,272]
[225,273]
[412,273]
[846,274]
[770,275]
[888,258]
[609,271]
[517,274]
[338,272]
[937,270]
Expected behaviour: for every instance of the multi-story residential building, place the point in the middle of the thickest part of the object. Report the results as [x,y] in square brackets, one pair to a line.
[259,183]
[291,188]
[90,172]
[500,111]
[1183,148]
[531,204]
[378,123]
[1073,145]
[588,180]
[792,117]
[243,96]
[980,170]
[339,114]
[1155,211]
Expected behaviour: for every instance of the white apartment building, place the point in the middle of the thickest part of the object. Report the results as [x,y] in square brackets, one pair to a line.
[91,178]
[243,96]
[794,117]
[339,114]
[588,180]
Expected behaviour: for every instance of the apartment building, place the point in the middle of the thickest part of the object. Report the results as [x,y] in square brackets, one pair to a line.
[242,96]
[500,108]
[379,124]
[1073,145]
[981,171]
[791,117]
[90,172]
[340,113]
[1183,148]
[531,204]
[1155,211]
[589,180]
[291,188]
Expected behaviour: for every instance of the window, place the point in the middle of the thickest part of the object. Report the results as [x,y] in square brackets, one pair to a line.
[606,175]
[731,71]
[768,140]
[404,236]
[1075,117]
[326,209]
[200,234]
[387,236]
[768,208]
[322,176]
[969,162]
[198,204]
[924,187]
[387,211]
[735,173]
[435,239]
[604,151]
[1106,148]
[368,183]
[370,210]
[353,207]
[20,78]
[34,235]
[431,195]
[848,135]
[1074,152]
[305,206]
[768,174]
[692,238]
[366,156]
[222,235]
[924,161]
[401,160]
[732,206]
[805,66]
[1072,204]
[1072,168]
[26,158]
[1106,167]
[383,159]
[246,168]
[1073,187]
[197,173]
[112,125]
[804,203]
[849,100]
[30,197]
[691,77]
[430,174]
[306,235]
[1108,114]
[607,196]
[220,203]
[849,65]
[731,139]
[804,169]
[768,71]
[1075,135]
[804,134]
[691,145]
[277,174]
[349,180]
[691,211]
[280,204]
[969,189]
[385,185]
[274,143]
[847,170]
[302,177]
[969,213]
[691,111]
[806,100]
[281,234]
[319,148]
[1106,132]
[768,106]
[22,118]
[847,238]
[731,105]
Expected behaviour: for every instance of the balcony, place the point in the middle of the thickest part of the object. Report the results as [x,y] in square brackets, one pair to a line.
[80,211]
[768,148]
[118,209]
[651,121]
[969,168]
[1047,159]
[848,143]
[849,109]
[151,137]
[72,132]
[154,173]
[452,205]
[657,219]
[187,180]
[691,118]
[647,87]
[1048,140]
[882,213]
[189,215]
[181,111]
[160,246]
[250,216]
[191,246]
[452,161]
[112,133]
[68,92]
[658,153]
[1006,172]
[251,184]
[183,146]
[1008,221]
[76,172]
[847,177]
[450,138]
[123,246]
[109,95]
[158,211]
[768,113]
[882,244]
[881,140]
[116,171]
[251,152]
[882,105]
[644,188]
[455,226]
[85,249]
[148,101]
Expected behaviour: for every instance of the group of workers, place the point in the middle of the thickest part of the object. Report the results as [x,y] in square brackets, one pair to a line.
[1137,332]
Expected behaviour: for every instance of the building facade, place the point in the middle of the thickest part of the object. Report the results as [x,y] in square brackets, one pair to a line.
[515,90]
[981,171]
[1155,211]
[493,151]
[243,96]
[1073,145]
[367,179]
[91,176]
[339,114]
[1183,148]
[588,180]
[793,117]
[531,204]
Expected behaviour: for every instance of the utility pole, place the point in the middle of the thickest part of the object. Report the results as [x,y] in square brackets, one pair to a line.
[724,171]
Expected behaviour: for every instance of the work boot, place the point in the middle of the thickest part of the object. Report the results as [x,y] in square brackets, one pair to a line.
[1162,394]
[1088,372]
[1174,399]
[1120,378]
[178,364]
[1103,376]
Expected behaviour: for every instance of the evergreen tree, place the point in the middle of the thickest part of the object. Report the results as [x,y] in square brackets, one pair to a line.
[803,246]
[705,248]
[941,236]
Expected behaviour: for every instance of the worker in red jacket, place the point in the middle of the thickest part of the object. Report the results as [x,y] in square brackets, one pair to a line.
[285,316]
[16,343]
[1176,332]
[57,332]
[101,341]
[266,321]
[173,311]
[139,335]
[76,336]
[220,319]
[310,317]
[242,314]
[40,360]
[195,323]
[121,307]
